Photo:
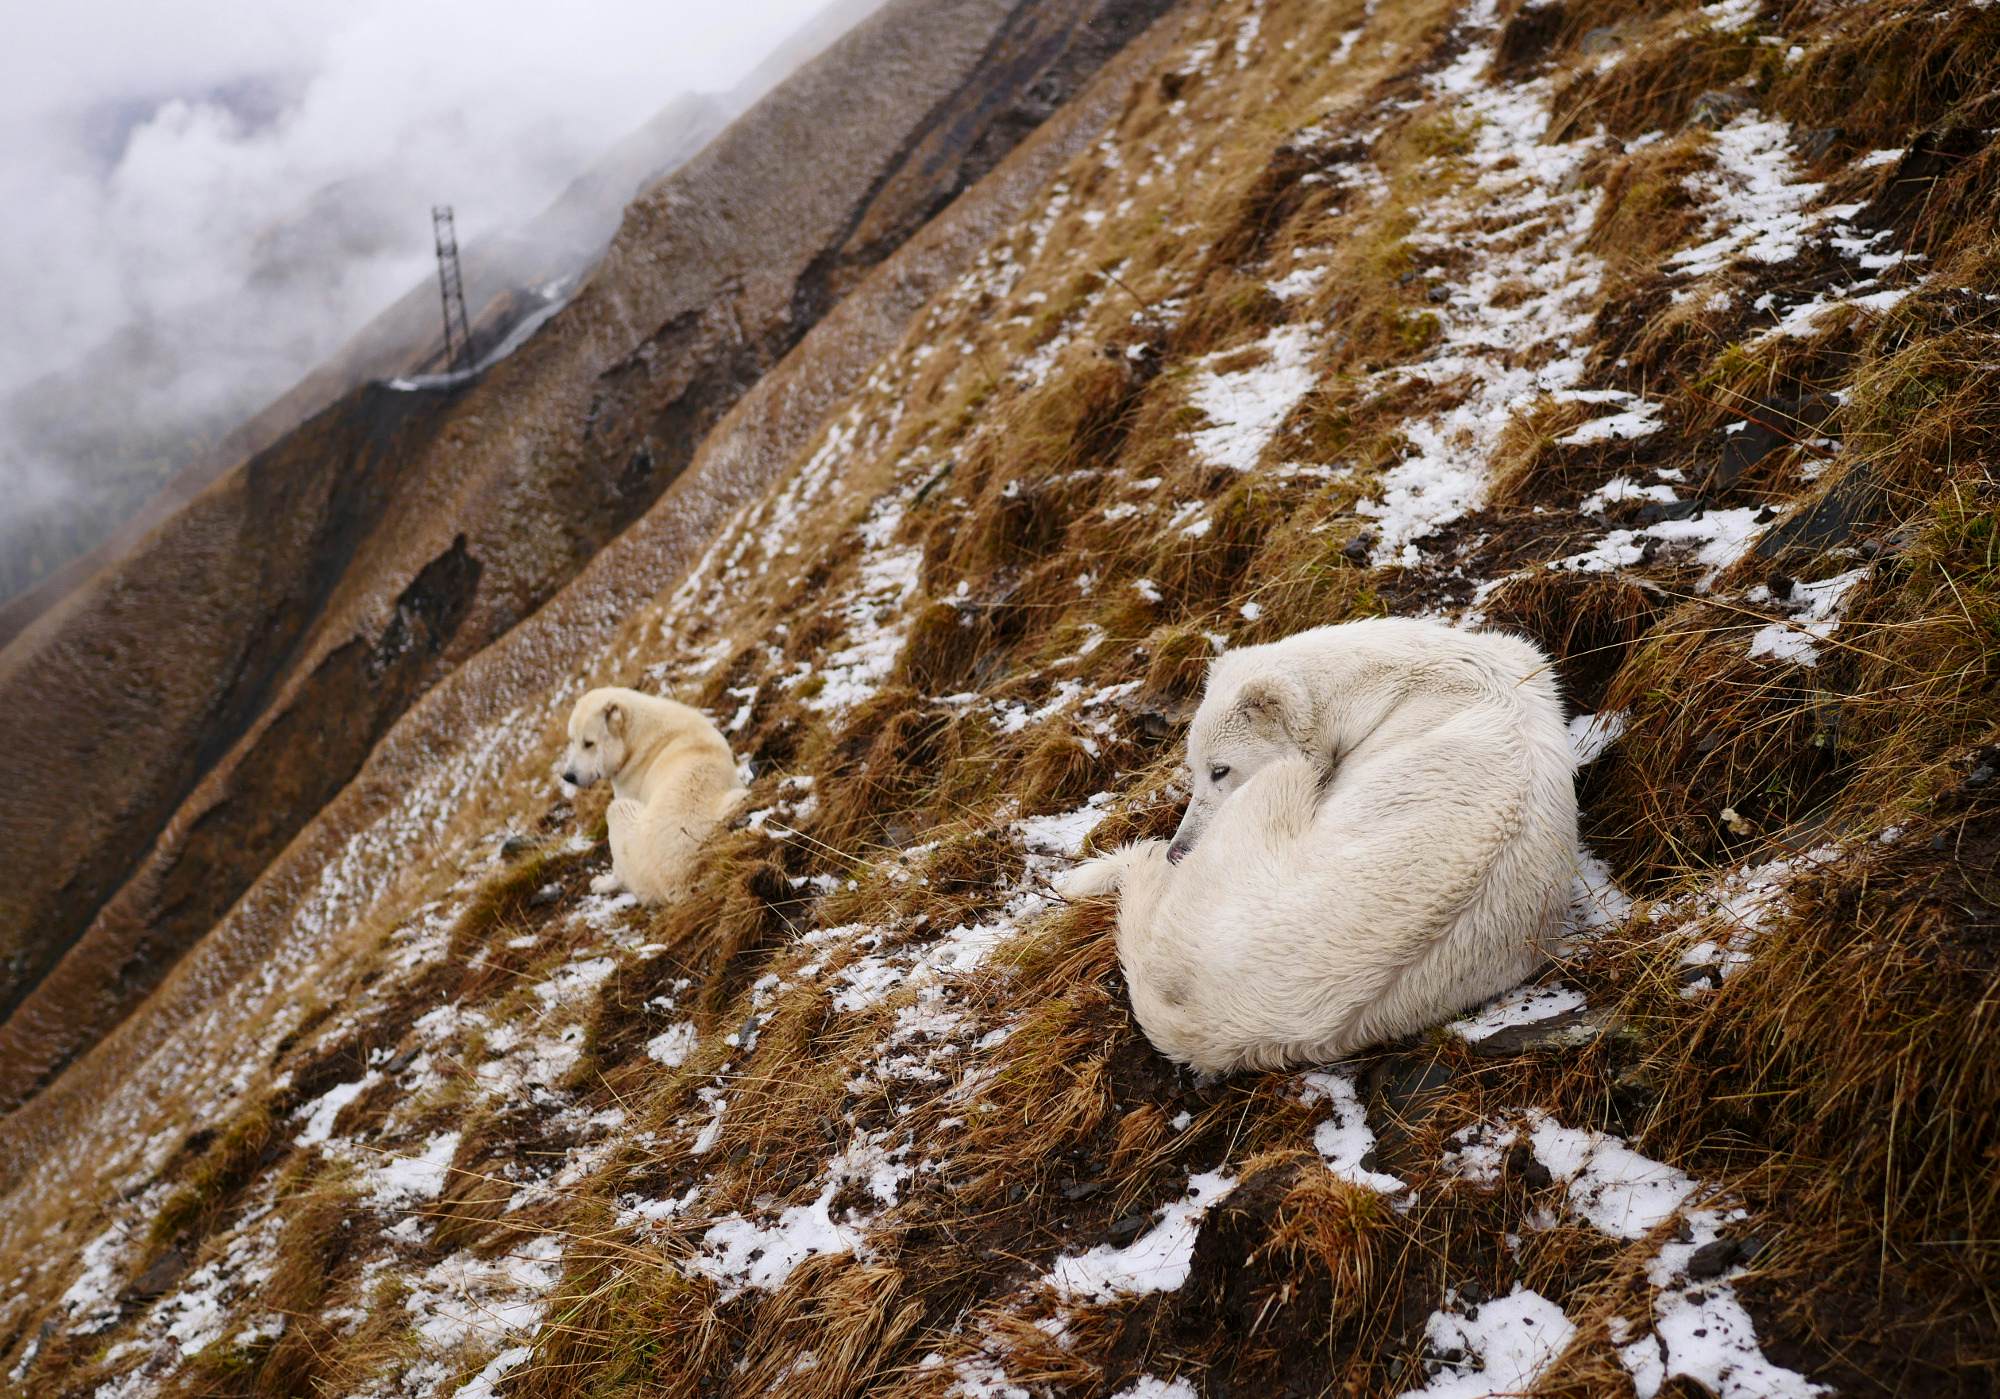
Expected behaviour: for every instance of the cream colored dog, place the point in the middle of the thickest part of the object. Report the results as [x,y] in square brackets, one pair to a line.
[673,779]
[1382,833]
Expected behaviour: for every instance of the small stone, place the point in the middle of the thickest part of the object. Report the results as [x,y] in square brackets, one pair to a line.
[514,846]
[1127,1229]
[1355,550]
[1571,1028]
[545,896]
[1701,974]
[1601,40]
[1655,512]
[159,1275]
[1818,142]
[1712,1259]
[1717,107]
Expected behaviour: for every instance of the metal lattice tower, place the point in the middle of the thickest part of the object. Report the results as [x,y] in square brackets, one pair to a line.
[457,329]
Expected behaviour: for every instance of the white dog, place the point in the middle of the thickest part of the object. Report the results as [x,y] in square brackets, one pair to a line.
[673,779]
[1382,833]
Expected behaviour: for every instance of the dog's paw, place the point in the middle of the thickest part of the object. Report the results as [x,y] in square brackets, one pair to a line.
[608,883]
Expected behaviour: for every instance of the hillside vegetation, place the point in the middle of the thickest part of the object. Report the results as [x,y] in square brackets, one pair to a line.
[243,662]
[1667,335]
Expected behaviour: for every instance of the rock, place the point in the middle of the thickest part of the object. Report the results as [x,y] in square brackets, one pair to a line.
[1564,1031]
[1570,1028]
[162,1273]
[1654,512]
[1742,450]
[1409,1093]
[1355,550]
[1817,142]
[1601,40]
[1125,1230]
[1712,1259]
[1523,1163]
[1702,974]
[545,896]
[515,846]
[1853,501]
[1985,766]
[1717,107]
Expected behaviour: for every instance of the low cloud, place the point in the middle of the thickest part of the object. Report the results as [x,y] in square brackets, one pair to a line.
[205,199]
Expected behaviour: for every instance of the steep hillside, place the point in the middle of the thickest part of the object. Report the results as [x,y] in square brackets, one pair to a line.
[1665,334]
[136,436]
[126,450]
[315,590]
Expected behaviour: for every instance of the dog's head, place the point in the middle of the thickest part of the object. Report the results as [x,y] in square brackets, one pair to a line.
[597,746]
[1250,716]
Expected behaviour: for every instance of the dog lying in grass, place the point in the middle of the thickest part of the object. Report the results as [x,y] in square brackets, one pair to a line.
[1382,834]
[673,780]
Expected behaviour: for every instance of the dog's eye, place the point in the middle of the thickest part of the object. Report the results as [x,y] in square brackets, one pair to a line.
[1218,771]
[590,743]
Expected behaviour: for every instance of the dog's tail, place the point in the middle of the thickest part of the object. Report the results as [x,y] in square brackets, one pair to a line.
[1107,873]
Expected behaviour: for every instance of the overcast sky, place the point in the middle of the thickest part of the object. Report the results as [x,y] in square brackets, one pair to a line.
[146,144]
[149,149]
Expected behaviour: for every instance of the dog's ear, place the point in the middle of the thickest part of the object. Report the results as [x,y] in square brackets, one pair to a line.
[614,718]
[1276,705]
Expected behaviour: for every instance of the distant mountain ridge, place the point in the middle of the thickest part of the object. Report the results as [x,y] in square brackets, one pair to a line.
[279,578]
[132,460]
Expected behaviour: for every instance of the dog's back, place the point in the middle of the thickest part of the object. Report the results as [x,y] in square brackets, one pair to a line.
[1313,920]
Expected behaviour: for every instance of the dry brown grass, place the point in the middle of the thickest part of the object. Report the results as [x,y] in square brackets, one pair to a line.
[1841,1083]
[1587,623]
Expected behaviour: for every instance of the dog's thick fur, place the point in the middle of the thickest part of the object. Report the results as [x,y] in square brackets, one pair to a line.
[1382,834]
[673,781]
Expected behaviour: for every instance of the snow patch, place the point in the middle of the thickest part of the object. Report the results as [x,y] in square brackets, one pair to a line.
[1156,1261]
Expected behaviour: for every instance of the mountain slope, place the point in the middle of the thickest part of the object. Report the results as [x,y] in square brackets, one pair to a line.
[135,453]
[280,602]
[1583,319]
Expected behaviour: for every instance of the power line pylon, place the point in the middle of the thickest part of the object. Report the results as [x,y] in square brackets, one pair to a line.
[457,328]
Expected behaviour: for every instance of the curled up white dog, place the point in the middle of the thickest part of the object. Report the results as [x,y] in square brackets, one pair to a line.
[673,781]
[1382,833]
